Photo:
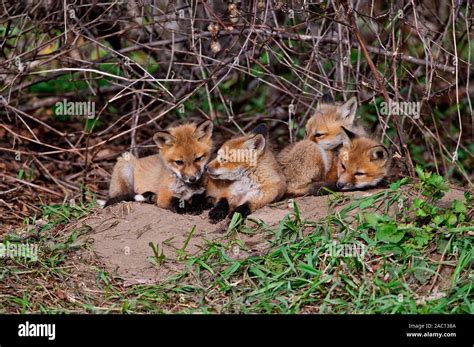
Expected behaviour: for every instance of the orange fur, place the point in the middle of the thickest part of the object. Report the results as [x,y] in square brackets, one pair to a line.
[362,163]
[254,178]
[310,162]
[175,172]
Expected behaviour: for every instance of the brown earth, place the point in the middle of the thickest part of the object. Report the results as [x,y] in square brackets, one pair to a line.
[121,234]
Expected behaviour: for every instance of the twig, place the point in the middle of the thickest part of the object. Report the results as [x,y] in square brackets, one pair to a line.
[52,192]
[360,40]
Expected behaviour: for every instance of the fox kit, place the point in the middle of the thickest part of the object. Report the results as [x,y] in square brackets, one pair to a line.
[172,177]
[314,158]
[325,126]
[362,163]
[305,164]
[244,177]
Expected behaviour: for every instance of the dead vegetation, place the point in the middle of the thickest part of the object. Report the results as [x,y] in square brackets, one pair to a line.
[147,64]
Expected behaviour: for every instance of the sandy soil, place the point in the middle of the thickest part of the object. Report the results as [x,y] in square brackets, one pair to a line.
[121,234]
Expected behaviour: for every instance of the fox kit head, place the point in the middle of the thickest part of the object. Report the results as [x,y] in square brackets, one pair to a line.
[239,155]
[362,162]
[324,127]
[185,149]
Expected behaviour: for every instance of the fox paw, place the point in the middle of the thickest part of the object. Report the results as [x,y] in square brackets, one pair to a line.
[179,205]
[194,210]
[206,202]
[216,215]
[219,212]
[244,210]
[148,197]
[198,204]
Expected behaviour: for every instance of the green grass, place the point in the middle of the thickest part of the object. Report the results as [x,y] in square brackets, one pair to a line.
[407,244]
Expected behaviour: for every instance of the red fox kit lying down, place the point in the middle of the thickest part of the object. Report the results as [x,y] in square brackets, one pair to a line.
[305,164]
[325,126]
[172,177]
[312,159]
[245,176]
[362,162]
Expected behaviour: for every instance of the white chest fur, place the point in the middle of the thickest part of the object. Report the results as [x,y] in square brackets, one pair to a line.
[185,191]
[243,190]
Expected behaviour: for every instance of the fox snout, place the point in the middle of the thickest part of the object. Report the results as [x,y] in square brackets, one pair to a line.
[344,186]
[209,170]
[215,170]
[191,179]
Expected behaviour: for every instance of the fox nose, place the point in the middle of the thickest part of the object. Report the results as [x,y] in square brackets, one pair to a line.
[346,186]
[192,179]
[341,185]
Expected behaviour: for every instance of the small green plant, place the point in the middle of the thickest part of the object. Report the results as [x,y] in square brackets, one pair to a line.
[432,185]
[182,254]
[158,258]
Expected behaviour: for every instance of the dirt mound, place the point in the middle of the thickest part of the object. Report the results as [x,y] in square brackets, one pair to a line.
[121,235]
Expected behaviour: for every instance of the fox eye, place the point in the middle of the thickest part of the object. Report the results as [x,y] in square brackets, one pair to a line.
[343,166]
[319,135]
[179,162]
[199,158]
[358,173]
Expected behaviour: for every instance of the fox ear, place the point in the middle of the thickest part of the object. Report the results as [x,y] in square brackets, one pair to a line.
[256,143]
[326,99]
[348,110]
[163,138]
[379,154]
[347,137]
[203,131]
[310,124]
[261,129]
